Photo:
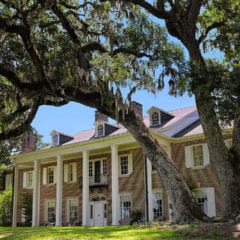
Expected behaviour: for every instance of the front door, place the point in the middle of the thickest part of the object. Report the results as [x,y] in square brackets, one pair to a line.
[98,210]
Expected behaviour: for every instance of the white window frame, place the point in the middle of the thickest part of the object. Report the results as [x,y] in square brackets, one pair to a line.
[189,161]
[70,172]
[28,179]
[155,118]
[47,203]
[100,132]
[103,172]
[55,140]
[156,205]
[71,200]
[46,175]
[210,204]
[129,164]
[125,211]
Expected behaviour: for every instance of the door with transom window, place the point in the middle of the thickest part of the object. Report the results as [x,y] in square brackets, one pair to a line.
[98,211]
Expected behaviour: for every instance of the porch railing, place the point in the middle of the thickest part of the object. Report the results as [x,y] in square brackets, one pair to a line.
[95,180]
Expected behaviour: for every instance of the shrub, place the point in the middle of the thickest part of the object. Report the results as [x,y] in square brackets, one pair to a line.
[6,207]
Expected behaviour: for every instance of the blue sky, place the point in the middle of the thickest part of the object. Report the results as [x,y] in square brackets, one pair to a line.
[75,117]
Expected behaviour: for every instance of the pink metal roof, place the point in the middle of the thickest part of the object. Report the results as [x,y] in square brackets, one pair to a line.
[182,118]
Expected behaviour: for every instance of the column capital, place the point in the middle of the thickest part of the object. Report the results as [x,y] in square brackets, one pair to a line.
[114,147]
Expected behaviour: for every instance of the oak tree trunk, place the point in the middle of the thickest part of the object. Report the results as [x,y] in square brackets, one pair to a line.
[184,207]
[226,161]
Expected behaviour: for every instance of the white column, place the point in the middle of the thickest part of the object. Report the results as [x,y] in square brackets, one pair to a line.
[59,190]
[149,186]
[85,189]
[15,196]
[115,190]
[36,190]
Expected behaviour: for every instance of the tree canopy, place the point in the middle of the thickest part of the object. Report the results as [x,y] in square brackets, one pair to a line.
[54,51]
[58,51]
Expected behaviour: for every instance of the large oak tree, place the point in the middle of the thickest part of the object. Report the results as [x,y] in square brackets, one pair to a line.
[204,27]
[54,52]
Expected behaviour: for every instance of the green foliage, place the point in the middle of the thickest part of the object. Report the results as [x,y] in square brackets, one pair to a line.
[94,46]
[26,204]
[6,207]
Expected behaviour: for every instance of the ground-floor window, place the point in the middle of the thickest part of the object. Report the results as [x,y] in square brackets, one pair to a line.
[125,206]
[72,210]
[51,211]
[157,205]
[201,199]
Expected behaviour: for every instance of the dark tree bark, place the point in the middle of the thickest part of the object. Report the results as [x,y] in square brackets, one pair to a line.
[181,23]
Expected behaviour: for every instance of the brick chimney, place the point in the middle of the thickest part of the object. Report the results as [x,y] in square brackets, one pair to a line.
[137,108]
[100,116]
[29,142]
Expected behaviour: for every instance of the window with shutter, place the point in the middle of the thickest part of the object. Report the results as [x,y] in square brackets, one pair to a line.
[196,156]
[28,179]
[205,197]
[49,175]
[126,164]
[70,172]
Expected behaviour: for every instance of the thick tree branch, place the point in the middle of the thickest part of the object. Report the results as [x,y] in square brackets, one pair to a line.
[66,24]
[132,52]
[17,130]
[30,89]
[192,15]
[93,46]
[208,29]
[156,11]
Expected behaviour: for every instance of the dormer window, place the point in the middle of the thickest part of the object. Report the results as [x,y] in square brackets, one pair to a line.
[155,118]
[55,140]
[158,117]
[100,130]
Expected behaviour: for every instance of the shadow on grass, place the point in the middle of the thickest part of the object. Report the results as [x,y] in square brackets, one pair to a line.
[84,233]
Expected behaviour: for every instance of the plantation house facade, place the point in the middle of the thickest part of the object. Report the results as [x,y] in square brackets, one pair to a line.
[101,177]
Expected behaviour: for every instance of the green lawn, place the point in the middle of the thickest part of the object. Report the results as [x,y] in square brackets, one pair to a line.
[67,233]
[162,230]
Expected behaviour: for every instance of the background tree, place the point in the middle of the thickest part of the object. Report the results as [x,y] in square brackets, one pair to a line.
[15,146]
[26,203]
[55,52]
[6,207]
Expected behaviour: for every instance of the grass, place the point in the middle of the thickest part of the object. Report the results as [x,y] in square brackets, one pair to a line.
[86,233]
[158,231]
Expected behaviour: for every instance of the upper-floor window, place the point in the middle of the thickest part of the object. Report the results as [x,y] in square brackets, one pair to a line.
[55,140]
[197,156]
[49,175]
[70,172]
[98,171]
[28,179]
[126,164]
[155,118]
[100,130]
[197,153]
